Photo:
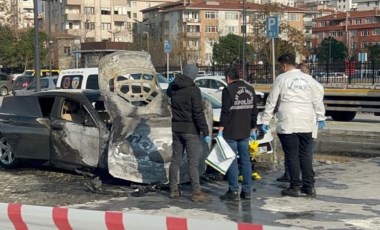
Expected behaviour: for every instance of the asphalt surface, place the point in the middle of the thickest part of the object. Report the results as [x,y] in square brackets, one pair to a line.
[347,192]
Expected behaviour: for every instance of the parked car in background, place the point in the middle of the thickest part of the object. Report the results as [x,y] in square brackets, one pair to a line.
[214,86]
[14,76]
[162,81]
[43,73]
[5,84]
[46,83]
[171,74]
[82,78]
[21,82]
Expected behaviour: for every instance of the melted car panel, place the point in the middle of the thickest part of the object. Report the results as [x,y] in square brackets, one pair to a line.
[140,145]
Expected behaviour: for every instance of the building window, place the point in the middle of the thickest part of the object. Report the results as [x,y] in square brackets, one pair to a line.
[192,28]
[89,10]
[211,29]
[294,17]
[231,29]
[354,45]
[134,15]
[358,21]
[365,32]
[322,24]
[211,14]
[353,33]
[339,33]
[134,4]
[119,25]
[67,50]
[119,10]
[106,26]
[105,11]
[370,20]
[89,25]
[209,57]
[232,16]
[376,31]
[70,25]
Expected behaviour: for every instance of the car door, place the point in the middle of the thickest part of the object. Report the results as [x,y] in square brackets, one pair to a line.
[204,85]
[26,128]
[217,87]
[75,135]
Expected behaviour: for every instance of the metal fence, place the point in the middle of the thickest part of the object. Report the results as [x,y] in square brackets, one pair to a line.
[344,72]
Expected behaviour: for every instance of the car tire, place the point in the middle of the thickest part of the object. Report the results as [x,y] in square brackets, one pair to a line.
[7,157]
[3,91]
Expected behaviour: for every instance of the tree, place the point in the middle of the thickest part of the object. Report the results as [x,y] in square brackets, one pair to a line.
[290,39]
[228,49]
[24,48]
[373,52]
[331,49]
[7,41]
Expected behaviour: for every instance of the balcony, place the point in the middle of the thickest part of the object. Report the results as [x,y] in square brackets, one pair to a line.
[74,2]
[120,17]
[192,21]
[192,48]
[193,34]
[73,17]
[308,36]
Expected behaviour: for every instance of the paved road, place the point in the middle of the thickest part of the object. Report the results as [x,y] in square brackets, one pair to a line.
[347,197]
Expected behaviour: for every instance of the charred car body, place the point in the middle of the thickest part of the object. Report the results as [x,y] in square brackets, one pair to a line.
[124,128]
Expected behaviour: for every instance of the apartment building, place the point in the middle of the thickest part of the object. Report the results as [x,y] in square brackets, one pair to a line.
[357,29]
[18,14]
[96,21]
[77,22]
[194,26]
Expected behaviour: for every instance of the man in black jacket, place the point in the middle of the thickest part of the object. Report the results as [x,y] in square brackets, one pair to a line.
[237,125]
[188,122]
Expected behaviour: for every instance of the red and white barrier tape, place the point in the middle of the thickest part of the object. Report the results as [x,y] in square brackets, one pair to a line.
[28,217]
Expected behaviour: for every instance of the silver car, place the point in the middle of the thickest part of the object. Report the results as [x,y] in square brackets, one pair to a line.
[47,83]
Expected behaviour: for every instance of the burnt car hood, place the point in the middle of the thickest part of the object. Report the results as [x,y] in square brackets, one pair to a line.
[140,144]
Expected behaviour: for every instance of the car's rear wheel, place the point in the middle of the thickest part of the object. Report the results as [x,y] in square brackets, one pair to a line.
[7,157]
[3,91]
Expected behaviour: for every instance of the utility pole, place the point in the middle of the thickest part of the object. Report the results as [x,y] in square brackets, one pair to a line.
[49,35]
[244,31]
[37,68]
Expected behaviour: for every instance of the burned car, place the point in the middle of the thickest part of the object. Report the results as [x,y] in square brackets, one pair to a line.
[124,128]
[60,126]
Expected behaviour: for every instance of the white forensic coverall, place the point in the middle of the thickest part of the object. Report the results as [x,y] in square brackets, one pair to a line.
[300,106]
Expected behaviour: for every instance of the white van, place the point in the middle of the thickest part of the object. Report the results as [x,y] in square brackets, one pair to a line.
[83,78]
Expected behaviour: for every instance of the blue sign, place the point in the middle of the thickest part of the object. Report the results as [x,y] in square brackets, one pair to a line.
[167,46]
[362,57]
[272,27]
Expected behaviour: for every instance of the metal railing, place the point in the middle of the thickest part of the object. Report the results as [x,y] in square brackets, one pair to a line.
[343,72]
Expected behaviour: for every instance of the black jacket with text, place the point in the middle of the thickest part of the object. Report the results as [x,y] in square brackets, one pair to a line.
[239,110]
[187,107]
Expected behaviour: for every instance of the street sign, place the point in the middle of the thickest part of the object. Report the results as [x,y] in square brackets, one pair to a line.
[272,27]
[167,46]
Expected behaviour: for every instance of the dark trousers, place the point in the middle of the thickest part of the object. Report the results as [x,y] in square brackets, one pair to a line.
[298,149]
[192,144]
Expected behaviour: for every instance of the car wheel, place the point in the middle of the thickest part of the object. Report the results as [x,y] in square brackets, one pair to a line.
[3,91]
[7,157]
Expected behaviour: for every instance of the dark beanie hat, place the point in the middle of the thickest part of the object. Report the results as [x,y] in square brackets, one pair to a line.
[190,70]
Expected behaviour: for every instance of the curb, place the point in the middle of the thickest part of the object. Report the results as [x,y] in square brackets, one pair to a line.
[24,217]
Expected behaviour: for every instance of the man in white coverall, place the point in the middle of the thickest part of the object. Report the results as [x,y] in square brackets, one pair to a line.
[300,113]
